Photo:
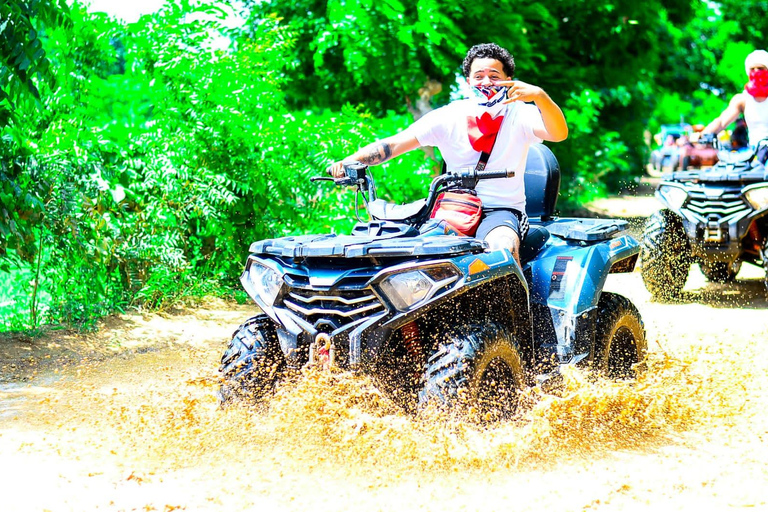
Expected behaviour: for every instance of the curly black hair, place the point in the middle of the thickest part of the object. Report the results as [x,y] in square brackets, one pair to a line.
[489,51]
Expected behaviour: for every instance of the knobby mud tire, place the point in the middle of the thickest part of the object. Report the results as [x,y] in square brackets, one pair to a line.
[476,368]
[720,272]
[765,263]
[620,344]
[665,255]
[252,363]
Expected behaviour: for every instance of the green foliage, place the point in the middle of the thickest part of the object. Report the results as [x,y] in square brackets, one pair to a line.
[751,19]
[24,69]
[591,152]
[382,53]
[23,59]
[15,299]
[161,158]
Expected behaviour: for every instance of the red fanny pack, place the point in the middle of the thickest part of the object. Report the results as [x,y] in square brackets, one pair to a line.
[462,210]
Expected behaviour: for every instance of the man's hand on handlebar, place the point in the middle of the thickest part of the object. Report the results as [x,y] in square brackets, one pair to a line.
[336,169]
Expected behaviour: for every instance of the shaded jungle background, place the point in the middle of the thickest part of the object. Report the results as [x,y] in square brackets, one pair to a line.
[139,161]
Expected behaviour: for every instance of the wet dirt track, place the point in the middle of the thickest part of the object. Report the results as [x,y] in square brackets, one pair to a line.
[127,420]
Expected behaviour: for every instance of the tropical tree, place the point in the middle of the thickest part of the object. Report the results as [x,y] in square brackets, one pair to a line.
[24,69]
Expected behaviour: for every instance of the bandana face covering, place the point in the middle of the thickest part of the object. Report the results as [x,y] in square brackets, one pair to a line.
[490,98]
[758,83]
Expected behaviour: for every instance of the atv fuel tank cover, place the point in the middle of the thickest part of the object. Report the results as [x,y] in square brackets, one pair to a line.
[355,246]
[586,230]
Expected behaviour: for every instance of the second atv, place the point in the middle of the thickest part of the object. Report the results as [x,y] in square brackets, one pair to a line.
[716,217]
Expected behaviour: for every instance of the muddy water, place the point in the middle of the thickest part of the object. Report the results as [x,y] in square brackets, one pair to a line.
[143,431]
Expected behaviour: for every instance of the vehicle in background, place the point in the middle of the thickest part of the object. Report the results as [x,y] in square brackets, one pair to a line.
[666,156]
[716,217]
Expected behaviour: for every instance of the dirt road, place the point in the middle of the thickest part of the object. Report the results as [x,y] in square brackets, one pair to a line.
[126,419]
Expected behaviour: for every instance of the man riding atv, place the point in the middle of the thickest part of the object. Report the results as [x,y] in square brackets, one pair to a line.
[750,102]
[716,217]
[465,131]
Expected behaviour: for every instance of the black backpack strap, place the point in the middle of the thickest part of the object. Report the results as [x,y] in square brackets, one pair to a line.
[483,161]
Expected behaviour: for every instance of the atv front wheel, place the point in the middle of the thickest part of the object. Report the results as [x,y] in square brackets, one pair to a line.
[720,272]
[619,337]
[477,366]
[252,362]
[665,254]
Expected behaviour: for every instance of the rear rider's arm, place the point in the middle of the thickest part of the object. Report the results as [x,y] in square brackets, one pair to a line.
[377,152]
[729,115]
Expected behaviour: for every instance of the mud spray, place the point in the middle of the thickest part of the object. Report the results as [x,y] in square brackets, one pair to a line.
[146,432]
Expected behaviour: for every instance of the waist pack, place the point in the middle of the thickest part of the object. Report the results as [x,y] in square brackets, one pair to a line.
[462,210]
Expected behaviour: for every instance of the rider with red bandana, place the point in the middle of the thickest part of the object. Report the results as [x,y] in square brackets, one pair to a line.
[520,114]
[751,102]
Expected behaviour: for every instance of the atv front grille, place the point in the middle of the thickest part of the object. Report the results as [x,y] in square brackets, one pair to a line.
[725,207]
[336,307]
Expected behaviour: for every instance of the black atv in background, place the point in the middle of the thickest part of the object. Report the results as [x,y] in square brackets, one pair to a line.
[716,217]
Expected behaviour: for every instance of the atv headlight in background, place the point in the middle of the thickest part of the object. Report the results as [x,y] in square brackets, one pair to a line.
[674,196]
[408,288]
[266,282]
[757,196]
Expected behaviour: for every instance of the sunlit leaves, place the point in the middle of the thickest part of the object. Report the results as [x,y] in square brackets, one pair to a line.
[23,60]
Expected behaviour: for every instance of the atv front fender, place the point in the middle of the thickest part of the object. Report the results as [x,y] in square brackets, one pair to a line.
[568,279]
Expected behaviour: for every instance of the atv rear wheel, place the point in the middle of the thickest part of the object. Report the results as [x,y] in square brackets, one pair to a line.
[719,271]
[765,263]
[476,366]
[620,343]
[252,362]
[665,254]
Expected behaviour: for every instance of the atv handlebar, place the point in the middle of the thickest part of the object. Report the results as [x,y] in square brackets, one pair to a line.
[356,174]
[486,175]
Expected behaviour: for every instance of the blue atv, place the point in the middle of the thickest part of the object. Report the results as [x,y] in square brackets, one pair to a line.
[716,217]
[437,318]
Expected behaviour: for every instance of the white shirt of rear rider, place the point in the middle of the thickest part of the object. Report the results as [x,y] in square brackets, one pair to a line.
[756,116]
[447,129]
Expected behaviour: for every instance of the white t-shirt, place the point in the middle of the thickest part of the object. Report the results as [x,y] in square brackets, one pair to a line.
[756,116]
[447,128]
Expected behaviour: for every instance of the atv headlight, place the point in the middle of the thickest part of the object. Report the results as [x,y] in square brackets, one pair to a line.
[674,196]
[266,282]
[408,288]
[757,197]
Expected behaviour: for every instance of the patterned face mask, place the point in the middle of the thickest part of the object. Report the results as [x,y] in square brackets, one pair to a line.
[758,83]
[490,98]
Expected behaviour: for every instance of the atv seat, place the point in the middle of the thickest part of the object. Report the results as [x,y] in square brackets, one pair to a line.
[542,185]
[383,210]
[535,239]
[542,182]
